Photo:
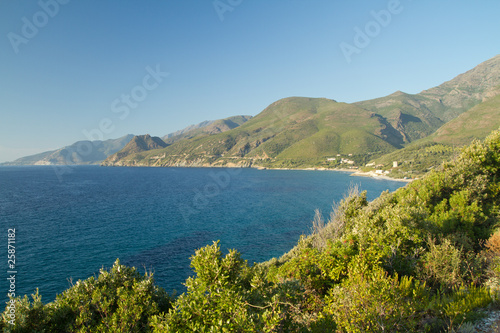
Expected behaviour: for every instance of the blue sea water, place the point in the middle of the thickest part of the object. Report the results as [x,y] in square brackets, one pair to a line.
[70,226]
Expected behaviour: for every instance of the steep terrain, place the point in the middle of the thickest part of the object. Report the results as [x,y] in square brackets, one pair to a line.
[80,152]
[445,143]
[138,144]
[475,123]
[409,115]
[291,129]
[466,90]
[207,127]
[417,116]
[300,131]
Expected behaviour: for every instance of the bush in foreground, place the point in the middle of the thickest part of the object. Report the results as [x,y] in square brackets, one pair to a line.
[424,259]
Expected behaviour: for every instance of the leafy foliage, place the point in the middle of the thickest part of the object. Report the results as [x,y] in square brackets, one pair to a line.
[118,300]
[422,259]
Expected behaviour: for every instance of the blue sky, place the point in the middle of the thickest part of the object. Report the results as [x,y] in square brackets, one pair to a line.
[77,69]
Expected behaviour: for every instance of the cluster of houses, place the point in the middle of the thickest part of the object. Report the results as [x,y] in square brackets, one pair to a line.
[342,160]
[379,171]
[373,164]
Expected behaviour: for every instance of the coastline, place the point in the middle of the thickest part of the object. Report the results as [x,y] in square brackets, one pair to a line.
[353,172]
[372,174]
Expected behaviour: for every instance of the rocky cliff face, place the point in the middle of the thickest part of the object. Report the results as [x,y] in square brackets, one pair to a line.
[297,129]
[138,144]
[467,89]
[415,116]
[207,127]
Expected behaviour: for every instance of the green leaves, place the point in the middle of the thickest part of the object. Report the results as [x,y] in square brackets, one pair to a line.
[118,300]
[412,260]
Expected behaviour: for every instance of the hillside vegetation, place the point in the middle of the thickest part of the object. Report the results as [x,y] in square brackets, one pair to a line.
[206,128]
[291,129]
[138,144]
[422,155]
[298,132]
[425,258]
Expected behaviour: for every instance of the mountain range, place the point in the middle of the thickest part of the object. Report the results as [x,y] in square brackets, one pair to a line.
[308,132]
[80,152]
[320,132]
[95,152]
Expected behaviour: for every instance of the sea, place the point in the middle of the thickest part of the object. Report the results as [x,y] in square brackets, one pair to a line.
[68,223]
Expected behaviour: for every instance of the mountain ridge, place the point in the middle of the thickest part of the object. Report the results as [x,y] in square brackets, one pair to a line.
[206,127]
[80,152]
[138,144]
[308,132]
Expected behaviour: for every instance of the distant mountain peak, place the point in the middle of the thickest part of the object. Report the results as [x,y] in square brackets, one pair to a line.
[138,144]
[74,154]
[206,127]
[473,86]
[398,93]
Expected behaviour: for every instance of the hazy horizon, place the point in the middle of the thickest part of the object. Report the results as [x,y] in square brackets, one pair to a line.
[75,71]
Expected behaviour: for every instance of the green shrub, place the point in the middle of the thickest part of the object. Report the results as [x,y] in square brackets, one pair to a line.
[29,316]
[219,298]
[369,269]
[374,302]
[318,270]
[118,300]
[441,265]
[460,306]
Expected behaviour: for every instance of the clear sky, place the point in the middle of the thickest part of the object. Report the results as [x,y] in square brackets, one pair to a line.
[102,69]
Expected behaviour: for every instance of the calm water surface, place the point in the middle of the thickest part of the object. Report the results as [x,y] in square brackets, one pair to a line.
[69,227]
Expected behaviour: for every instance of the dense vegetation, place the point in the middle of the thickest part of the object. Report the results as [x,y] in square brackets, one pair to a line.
[425,258]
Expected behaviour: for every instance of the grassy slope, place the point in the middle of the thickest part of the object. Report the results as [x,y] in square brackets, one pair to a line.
[419,115]
[476,123]
[214,127]
[291,128]
[421,155]
[411,115]
[413,260]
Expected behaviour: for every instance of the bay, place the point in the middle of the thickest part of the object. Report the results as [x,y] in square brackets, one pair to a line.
[71,225]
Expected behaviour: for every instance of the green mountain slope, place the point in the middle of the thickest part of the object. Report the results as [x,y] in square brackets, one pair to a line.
[417,116]
[290,129]
[206,128]
[465,90]
[410,115]
[429,152]
[305,132]
[138,144]
[80,152]
[425,258]
[475,123]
